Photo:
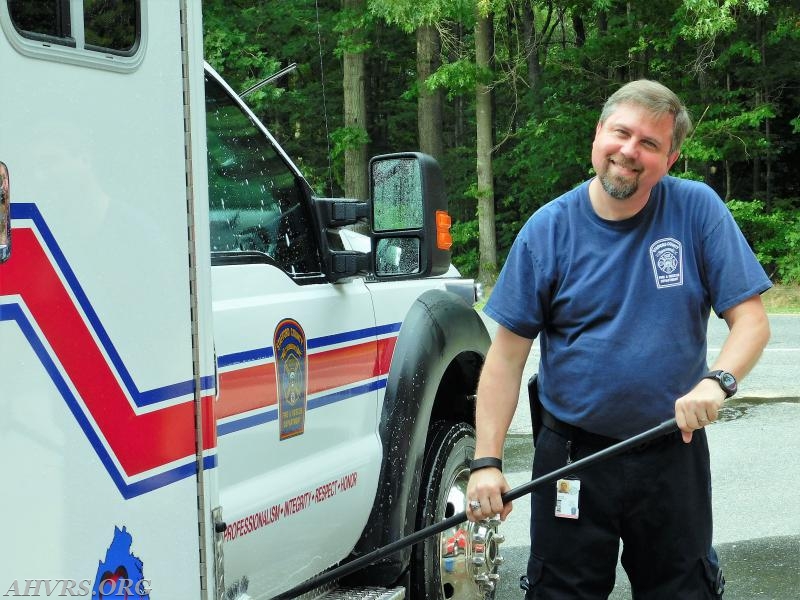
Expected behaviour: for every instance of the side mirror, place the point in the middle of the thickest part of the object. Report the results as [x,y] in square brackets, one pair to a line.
[5,214]
[409,221]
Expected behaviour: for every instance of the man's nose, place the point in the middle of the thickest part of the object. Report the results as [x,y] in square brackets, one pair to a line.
[629,147]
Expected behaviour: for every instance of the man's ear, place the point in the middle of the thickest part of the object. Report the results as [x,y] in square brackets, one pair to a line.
[672,158]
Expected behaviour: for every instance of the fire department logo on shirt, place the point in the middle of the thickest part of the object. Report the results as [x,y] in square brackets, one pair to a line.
[666,255]
[291,372]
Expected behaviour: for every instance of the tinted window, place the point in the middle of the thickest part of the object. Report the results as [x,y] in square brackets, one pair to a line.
[110,24]
[256,204]
[42,19]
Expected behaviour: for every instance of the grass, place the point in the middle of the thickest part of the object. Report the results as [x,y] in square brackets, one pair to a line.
[782,299]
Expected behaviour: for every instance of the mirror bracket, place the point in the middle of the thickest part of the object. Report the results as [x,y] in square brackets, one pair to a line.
[341,264]
[338,212]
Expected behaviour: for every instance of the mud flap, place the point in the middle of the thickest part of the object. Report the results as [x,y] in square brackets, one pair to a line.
[536,407]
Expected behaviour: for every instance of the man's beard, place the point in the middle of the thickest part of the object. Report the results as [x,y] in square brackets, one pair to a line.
[618,187]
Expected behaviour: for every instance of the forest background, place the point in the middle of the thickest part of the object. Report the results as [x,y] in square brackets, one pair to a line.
[506,95]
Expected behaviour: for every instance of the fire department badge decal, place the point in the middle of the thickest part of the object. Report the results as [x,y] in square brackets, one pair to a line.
[291,372]
[666,255]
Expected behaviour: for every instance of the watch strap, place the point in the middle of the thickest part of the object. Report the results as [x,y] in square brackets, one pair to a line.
[484,463]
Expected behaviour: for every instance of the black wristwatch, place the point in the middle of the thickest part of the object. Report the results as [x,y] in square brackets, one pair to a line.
[725,380]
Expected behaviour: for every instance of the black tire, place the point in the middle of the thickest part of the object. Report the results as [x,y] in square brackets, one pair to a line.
[450,448]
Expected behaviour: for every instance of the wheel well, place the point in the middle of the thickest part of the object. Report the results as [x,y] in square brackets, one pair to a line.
[455,394]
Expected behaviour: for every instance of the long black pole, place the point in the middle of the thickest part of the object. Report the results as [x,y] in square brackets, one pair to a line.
[526,488]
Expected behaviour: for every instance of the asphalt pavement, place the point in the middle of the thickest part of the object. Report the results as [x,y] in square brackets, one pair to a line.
[755,462]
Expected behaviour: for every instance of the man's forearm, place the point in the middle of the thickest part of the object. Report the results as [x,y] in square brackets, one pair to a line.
[748,336]
[498,391]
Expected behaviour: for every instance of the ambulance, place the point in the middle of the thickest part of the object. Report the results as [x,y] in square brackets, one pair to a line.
[211,386]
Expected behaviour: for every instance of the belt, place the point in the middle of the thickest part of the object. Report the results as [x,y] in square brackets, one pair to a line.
[595,440]
[576,434]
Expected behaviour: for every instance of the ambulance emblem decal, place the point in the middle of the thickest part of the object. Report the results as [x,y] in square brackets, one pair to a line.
[666,255]
[291,372]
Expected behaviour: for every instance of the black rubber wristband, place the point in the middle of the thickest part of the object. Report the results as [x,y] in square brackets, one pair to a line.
[484,463]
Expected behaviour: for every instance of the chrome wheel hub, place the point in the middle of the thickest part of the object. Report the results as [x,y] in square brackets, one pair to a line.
[468,553]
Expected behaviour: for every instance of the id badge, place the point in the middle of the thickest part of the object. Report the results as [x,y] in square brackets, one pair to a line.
[567,496]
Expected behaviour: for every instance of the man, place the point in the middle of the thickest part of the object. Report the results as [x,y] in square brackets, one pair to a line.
[617,278]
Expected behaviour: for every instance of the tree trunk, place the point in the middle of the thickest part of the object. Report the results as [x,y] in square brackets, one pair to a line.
[429,104]
[531,46]
[580,30]
[487,272]
[767,128]
[728,178]
[355,109]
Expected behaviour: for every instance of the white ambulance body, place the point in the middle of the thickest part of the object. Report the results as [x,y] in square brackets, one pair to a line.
[208,391]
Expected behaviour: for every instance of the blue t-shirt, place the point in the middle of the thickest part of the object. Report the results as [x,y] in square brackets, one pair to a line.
[622,307]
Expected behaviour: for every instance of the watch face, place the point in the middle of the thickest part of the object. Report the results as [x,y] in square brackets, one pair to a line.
[728,380]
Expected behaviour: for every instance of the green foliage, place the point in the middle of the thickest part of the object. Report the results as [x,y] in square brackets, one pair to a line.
[774,236]
[352,28]
[410,14]
[734,62]
[343,139]
[457,78]
[548,155]
[465,247]
[708,18]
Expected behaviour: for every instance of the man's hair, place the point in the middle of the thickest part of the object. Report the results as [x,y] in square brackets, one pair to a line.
[656,99]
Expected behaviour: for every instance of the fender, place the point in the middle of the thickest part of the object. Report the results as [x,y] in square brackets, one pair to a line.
[440,349]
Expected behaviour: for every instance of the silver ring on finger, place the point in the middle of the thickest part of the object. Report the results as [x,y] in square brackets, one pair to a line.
[474,504]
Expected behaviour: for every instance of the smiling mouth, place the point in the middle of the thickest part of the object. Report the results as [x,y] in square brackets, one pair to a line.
[624,165]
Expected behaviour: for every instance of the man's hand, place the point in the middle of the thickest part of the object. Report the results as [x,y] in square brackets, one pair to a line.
[699,407]
[487,487]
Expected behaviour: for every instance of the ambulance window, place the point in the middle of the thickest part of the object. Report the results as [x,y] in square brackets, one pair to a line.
[108,26]
[256,203]
[42,20]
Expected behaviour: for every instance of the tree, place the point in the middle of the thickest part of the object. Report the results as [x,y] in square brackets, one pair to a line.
[487,272]
[429,105]
[353,136]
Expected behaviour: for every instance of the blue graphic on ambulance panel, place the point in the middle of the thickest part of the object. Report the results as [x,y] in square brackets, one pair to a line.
[665,256]
[121,574]
[291,372]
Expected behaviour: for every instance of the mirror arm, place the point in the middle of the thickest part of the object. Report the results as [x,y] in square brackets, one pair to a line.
[341,264]
[336,212]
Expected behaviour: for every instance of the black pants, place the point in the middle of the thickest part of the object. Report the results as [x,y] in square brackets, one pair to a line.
[657,500]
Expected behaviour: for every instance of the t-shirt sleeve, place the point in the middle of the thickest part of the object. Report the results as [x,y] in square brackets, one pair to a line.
[518,299]
[733,273]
